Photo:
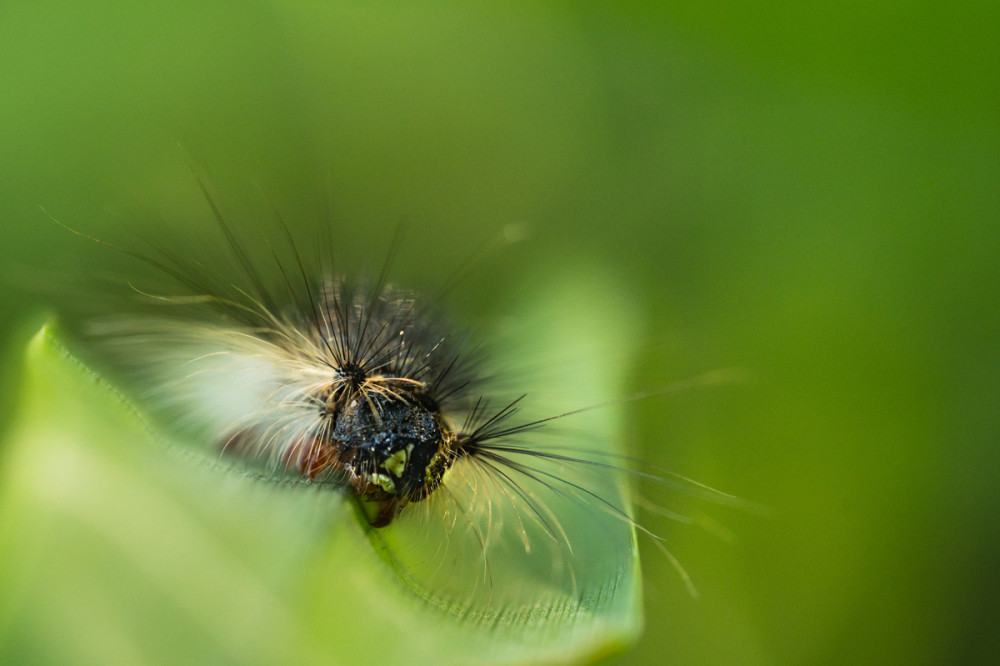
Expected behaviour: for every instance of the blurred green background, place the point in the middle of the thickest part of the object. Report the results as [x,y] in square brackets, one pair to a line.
[810,193]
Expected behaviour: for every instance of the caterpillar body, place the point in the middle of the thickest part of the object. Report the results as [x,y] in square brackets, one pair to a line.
[363,385]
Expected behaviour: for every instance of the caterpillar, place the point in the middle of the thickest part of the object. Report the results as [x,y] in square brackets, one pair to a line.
[364,386]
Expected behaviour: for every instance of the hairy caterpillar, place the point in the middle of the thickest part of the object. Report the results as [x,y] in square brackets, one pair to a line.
[362,385]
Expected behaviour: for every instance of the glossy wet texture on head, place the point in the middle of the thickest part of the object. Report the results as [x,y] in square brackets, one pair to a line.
[398,447]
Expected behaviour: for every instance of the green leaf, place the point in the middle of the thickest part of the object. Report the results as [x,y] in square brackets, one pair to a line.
[117,546]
